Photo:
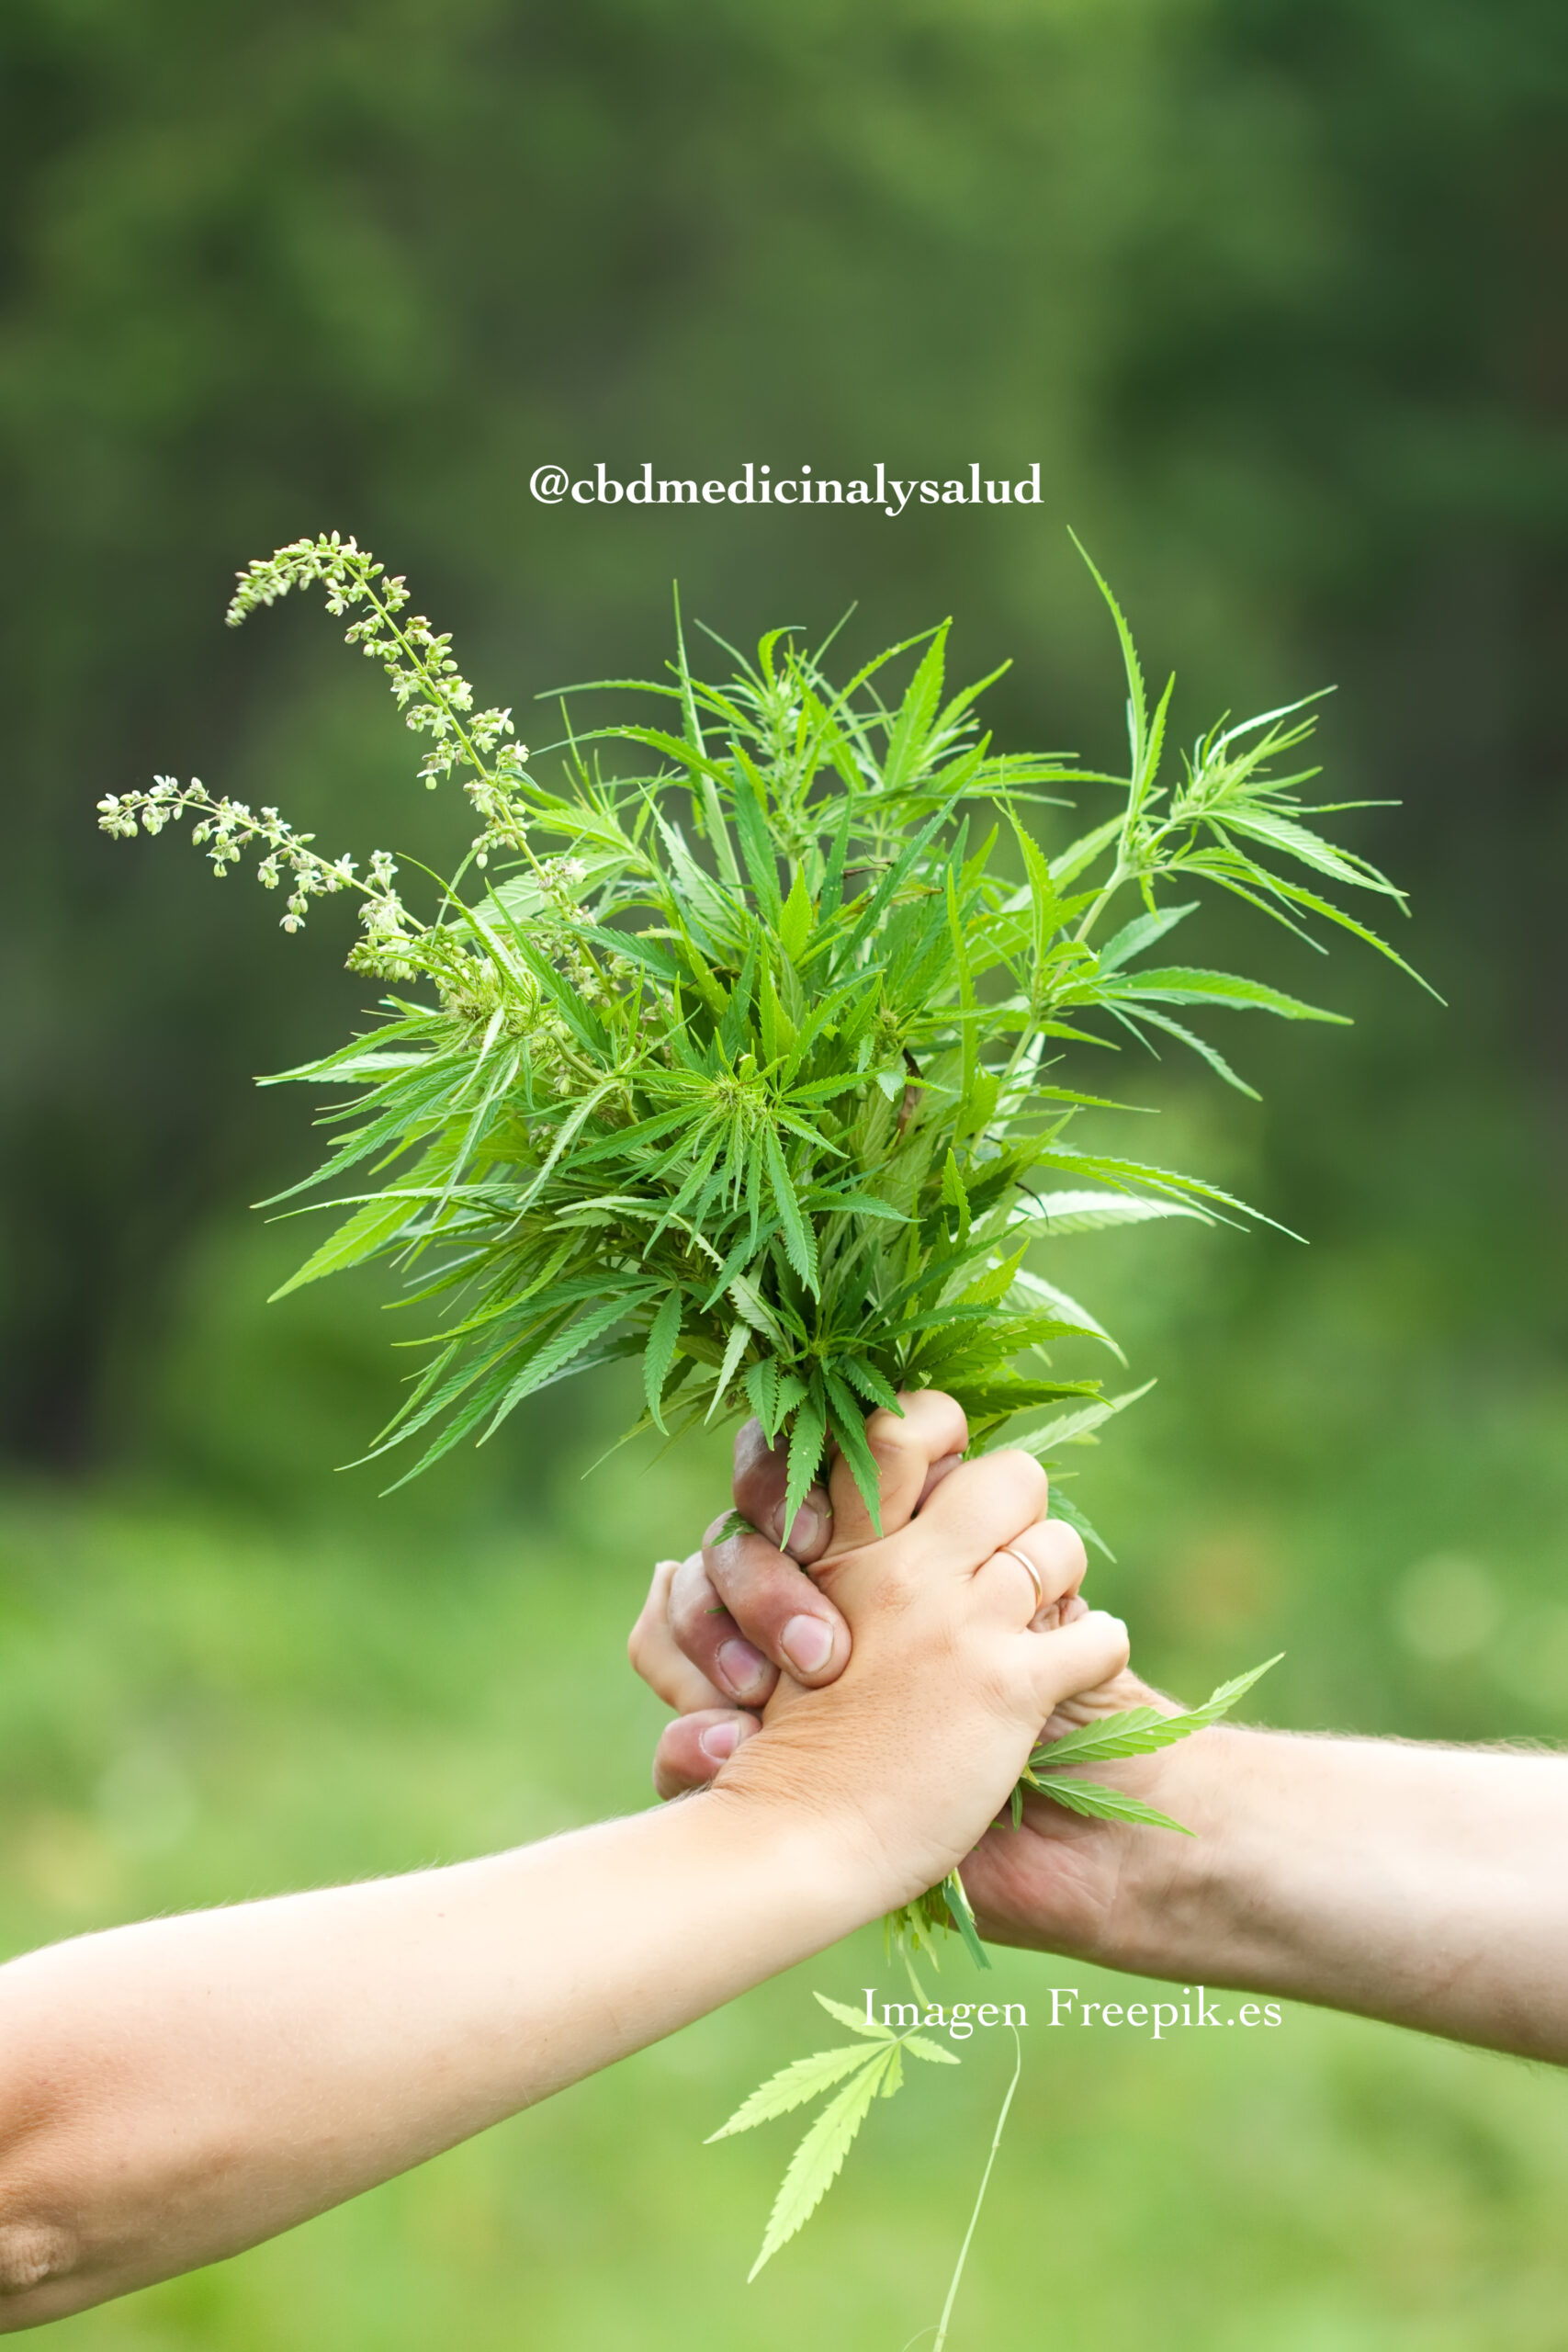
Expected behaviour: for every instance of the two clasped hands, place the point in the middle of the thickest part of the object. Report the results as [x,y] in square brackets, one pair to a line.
[1422,1884]
[175,2091]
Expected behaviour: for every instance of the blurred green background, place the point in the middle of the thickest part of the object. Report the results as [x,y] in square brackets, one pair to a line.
[1274,294]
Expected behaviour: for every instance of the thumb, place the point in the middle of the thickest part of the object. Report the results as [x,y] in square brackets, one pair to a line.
[1070,1658]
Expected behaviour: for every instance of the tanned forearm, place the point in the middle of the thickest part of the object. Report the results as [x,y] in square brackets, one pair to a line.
[1424,1886]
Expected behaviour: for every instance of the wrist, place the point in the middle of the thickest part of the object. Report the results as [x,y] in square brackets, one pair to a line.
[808,1838]
[1173,1909]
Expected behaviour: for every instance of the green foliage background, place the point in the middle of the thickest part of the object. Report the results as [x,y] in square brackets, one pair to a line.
[1274,295]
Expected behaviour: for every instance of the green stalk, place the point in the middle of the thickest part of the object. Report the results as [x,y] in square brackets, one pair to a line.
[985,2184]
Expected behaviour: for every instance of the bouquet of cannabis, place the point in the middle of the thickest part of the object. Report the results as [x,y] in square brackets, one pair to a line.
[735,1044]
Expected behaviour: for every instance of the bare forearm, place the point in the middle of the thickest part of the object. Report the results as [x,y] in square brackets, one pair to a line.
[182,2089]
[1424,1886]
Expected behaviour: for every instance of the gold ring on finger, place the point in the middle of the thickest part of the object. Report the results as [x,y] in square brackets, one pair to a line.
[1030,1570]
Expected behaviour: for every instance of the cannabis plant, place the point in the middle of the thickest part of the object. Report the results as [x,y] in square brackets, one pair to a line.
[738,1038]
[737,1041]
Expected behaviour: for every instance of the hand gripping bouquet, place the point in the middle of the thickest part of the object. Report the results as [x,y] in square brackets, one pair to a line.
[736,1045]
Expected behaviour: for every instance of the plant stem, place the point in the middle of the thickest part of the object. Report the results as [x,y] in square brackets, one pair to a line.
[1107,892]
[985,2184]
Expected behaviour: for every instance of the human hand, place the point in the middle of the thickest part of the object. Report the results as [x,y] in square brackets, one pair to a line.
[719,1627]
[711,1628]
[960,1652]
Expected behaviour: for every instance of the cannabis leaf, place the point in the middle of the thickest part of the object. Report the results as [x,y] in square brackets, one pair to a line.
[819,2160]
[1135,1731]
[1103,1803]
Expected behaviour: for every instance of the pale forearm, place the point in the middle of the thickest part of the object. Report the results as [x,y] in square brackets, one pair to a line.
[1424,1886]
[173,2092]
[184,2088]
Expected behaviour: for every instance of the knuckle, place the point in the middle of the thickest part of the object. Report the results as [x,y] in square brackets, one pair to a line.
[1018,1474]
[692,1614]
[888,1436]
[665,1776]
[1076,1550]
[1062,1552]
[750,1443]
[759,1475]
[697,1638]
[755,1583]
[939,1419]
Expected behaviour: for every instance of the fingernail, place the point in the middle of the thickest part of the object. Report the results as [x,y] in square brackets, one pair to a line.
[807,1529]
[744,1669]
[807,1643]
[720,1740]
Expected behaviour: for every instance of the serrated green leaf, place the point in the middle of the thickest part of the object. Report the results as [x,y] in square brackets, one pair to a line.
[919,2047]
[1178,984]
[1087,1212]
[954,1196]
[755,1308]
[806,2078]
[794,921]
[819,2158]
[1070,1428]
[1137,702]
[805,1450]
[1047,1295]
[735,1348]
[1220,1701]
[799,1240]
[968,1045]
[855,2020]
[660,1353]
[762,1389]
[1148,1017]
[535,1373]
[1192,1190]
[1063,1506]
[848,1425]
[1098,1802]
[1140,934]
[370,1228]
[1081,854]
[868,1383]
[1298,841]
[1140,1731]
[734,1522]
